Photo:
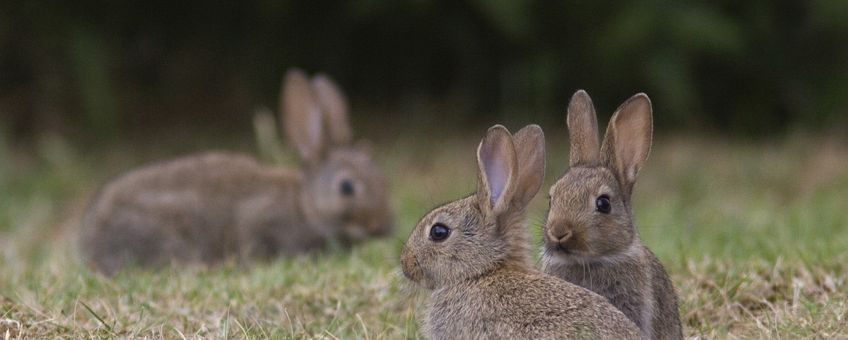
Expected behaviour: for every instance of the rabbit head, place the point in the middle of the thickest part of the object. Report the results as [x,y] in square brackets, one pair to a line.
[344,191]
[469,237]
[590,214]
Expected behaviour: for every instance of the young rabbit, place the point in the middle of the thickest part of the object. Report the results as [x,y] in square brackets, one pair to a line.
[473,254]
[208,207]
[589,236]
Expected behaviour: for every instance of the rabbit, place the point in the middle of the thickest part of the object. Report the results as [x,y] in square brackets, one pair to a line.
[473,255]
[589,236]
[214,206]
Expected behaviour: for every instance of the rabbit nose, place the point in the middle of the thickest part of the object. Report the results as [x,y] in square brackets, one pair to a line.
[559,236]
[409,265]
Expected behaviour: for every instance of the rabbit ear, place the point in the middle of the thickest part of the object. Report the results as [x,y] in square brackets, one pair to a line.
[267,135]
[334,108]
[628,139]
[583,130]
[530,153]
[497,169]
[301,116]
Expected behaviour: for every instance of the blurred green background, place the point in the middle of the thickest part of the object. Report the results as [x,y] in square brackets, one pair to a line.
[97,71]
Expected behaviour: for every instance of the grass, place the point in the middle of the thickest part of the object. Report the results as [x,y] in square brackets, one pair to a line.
[755,236]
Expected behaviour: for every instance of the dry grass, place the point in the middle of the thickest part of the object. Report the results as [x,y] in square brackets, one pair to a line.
[755,236]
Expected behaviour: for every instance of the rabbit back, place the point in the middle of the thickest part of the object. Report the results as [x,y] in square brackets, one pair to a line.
[666,316]
[519,303]
[201,208]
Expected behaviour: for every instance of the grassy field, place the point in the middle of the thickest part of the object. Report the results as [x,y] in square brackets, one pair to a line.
[755,236]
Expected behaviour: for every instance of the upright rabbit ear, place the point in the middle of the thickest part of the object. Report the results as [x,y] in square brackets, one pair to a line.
[334,107]
[301,116]
[628,139]
[583,130]
[530,152]
[497,169]
[267,135]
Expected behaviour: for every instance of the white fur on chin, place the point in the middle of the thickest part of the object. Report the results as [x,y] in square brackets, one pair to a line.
[559,258]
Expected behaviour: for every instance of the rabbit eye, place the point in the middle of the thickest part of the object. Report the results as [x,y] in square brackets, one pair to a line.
[602,204]
[346,188]
[439,232]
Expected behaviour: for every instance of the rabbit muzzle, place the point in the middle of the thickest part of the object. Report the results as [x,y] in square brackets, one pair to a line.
[360,229]
[409,265]
[563,239]
[382,226]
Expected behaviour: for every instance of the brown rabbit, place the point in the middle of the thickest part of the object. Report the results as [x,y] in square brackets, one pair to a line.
[473,254]
[212,206]
[590,239]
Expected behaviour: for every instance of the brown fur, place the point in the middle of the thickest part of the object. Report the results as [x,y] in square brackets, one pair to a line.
[600,251]
[212,206]
[481,276]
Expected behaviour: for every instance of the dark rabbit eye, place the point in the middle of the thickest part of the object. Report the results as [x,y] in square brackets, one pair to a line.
[439,232]
[346,188]
[602,204]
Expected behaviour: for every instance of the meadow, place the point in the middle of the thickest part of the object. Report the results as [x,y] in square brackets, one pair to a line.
[753,233]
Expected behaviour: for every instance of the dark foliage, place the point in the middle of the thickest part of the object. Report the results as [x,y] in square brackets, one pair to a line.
[104,69]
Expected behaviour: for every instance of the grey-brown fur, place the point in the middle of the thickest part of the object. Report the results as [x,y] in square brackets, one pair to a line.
[209,207]
[602,251]
[481,276]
